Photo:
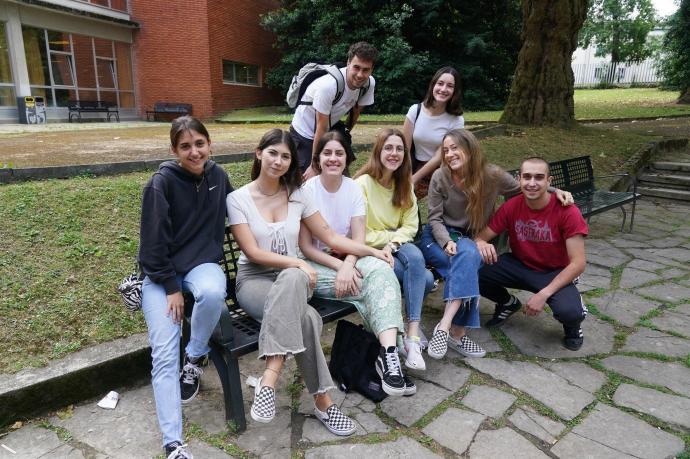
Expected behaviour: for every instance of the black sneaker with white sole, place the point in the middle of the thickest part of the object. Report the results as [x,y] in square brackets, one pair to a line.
[410,387]
[503,311]
[176,450]
[189,378]
[573,338]
[389,370]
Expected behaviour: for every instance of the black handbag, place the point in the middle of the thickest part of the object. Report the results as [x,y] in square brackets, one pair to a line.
[353,358]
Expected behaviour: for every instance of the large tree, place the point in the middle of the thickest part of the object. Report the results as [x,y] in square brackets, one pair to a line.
[675,64]
[619,28]
[542,89]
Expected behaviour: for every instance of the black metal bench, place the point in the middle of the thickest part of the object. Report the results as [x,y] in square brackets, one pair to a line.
[237,333]
[169,108]
[77,107]
[577,176]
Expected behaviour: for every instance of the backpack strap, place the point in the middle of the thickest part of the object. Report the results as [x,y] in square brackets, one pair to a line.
[419,109]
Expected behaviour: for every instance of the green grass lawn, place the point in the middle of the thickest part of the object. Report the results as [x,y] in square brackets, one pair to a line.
[67,243]
[589,104]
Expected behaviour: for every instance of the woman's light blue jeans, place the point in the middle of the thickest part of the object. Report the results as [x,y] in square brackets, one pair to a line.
[460,273]
[416,280]
[207,283]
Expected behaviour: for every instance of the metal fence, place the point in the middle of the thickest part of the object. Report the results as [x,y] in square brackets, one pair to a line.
[643,73]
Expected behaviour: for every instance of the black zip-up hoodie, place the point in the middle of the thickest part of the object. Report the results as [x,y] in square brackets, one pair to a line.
[182,221]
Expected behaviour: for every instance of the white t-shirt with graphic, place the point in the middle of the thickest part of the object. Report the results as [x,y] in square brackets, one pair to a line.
[429,131]
[336,208]
[321,93]
[279,237]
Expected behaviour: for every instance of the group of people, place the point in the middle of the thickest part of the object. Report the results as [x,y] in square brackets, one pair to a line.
[306,228]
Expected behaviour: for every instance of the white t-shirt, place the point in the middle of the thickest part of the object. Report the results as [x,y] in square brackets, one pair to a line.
[429,131]
[279,237]
[321,93]
[336,208]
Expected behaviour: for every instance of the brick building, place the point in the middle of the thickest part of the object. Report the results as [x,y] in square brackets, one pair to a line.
[212,54]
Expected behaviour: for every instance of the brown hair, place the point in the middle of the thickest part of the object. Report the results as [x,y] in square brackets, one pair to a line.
[184,124]
[453,106]
[477,175]
[327,137]
[536,159]
[363,51]
[292,179]
[402,177]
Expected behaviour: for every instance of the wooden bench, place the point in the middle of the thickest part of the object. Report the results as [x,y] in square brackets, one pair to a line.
[77,107]
[237,333]
[168,108]
[577,176]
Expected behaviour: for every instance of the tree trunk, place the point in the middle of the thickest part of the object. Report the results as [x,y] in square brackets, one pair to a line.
[542,88]
[684,97]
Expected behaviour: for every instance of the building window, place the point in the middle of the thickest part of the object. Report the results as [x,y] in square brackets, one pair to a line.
[239,73]
[64,67]
[7,98]
[118,5]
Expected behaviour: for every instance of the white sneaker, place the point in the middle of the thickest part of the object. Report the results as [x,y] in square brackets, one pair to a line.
[413,349]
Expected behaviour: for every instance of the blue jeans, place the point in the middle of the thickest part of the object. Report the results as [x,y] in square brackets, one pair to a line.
[460,273]
[207,283]
[416,280]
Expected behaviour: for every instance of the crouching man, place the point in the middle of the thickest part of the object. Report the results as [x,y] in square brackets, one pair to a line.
[548,255]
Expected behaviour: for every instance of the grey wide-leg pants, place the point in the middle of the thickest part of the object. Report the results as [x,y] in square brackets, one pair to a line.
[278,299]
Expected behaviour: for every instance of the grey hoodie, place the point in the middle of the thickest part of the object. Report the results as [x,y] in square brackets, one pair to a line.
[182,221]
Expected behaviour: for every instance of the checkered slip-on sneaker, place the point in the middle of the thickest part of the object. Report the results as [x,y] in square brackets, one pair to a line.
[438,344]
[336,421]
[466,347]
[264,406]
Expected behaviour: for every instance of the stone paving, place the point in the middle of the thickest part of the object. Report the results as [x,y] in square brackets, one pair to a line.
[625,394]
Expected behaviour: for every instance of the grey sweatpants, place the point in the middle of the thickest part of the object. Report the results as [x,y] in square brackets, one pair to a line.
[278,299]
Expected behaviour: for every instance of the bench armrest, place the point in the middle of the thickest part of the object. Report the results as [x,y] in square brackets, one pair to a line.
[633,178]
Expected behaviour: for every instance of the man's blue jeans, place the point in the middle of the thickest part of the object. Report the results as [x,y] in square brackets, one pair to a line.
[416,280]
[207,283]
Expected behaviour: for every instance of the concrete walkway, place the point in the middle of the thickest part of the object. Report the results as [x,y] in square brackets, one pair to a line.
[626,393]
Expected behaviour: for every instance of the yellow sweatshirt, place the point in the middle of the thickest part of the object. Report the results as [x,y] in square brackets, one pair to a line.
[385,222]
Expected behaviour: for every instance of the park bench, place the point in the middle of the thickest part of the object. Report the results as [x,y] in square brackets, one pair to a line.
[168,108]
[77,107]
[577,176]
[237,333]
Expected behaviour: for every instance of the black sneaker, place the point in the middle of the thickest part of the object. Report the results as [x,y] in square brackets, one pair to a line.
[410,387]
[573,338]
[176,450]
[388,368]
[504,311]
[189,379]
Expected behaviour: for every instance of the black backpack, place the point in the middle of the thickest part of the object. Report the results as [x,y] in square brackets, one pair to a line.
[353,357]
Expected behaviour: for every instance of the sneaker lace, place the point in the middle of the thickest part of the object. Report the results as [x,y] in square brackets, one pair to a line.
[393,363]
[190,373]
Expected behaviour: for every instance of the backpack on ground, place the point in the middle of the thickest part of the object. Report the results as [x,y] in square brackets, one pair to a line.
[311,72]
[353,354]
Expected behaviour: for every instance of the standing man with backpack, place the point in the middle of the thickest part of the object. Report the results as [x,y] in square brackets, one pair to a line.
[322,94]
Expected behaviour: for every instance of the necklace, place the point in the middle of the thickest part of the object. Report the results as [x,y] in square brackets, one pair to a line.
[258,187]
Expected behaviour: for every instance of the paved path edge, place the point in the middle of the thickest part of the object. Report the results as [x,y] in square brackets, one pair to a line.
[75,378]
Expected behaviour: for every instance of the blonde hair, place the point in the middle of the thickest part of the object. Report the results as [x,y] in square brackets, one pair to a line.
[479,178]
[402,177]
